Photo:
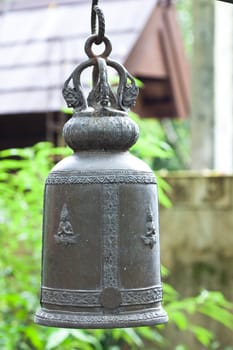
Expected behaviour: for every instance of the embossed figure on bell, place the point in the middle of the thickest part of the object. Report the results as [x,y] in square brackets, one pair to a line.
[101,255]
[151,236]
[65,233]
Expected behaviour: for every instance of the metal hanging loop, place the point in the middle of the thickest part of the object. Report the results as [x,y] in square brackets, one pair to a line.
[97,12]
[92,40]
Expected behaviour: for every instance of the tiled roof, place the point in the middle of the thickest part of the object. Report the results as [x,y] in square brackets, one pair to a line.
[42,41]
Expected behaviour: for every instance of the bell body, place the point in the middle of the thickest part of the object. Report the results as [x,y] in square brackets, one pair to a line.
[101,260]
[101,256]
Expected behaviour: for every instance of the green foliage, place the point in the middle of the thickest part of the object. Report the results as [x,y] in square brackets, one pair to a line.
[151,143]
[177,135]
[150,146]
[210,303]
[22,176]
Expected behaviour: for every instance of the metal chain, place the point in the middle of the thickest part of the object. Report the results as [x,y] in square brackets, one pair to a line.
[97,12]
[93,16]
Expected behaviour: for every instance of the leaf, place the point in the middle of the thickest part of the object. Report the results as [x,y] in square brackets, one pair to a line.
[132,337]
[215,297]
[84,337]
[181,347]
[151,334]
[163,189]
[34,337]
[139,83]
[203,335]
[57,338]
[165,271]
[170,294]
[188,305]
[219,314]
[180,320]
[163,198]
[67,110]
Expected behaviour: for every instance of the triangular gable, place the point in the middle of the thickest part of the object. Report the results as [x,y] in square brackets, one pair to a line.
[158,59]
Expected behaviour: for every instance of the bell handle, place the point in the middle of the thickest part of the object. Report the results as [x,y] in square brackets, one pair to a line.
[126,93]
[74,96]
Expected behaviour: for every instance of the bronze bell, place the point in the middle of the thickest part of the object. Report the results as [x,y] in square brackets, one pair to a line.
[101,256]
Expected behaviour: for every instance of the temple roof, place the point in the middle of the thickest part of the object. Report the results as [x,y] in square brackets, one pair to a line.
[42,41]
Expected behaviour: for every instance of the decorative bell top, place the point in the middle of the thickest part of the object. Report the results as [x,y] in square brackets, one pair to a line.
[100,121]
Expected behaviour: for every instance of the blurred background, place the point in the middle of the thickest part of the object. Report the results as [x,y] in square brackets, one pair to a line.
[181,53]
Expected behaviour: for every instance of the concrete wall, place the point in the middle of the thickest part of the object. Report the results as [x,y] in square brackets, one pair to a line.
[197,238]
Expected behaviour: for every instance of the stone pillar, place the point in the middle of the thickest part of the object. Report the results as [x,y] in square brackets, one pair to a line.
[224,87]
[202,127]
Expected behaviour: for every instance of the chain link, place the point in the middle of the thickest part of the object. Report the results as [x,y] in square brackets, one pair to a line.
[97,12]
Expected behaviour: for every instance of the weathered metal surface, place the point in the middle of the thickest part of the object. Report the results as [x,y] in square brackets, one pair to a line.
[101,258]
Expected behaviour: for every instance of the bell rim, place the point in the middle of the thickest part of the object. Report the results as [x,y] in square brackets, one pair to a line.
[63,319]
